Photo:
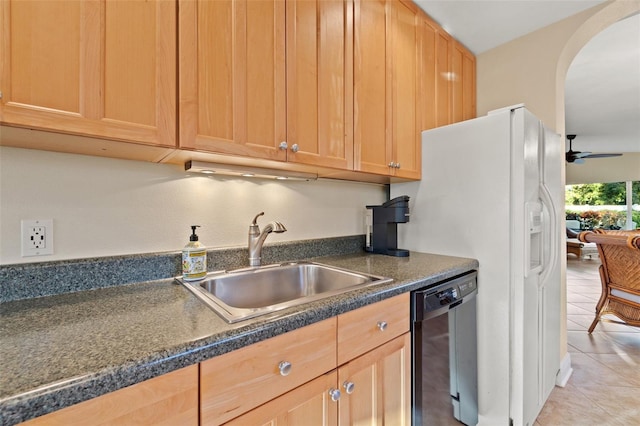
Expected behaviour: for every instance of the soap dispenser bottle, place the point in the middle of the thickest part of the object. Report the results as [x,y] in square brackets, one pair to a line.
[194,258]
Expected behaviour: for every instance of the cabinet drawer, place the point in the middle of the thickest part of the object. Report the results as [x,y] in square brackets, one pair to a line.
[238,381]
[361,330]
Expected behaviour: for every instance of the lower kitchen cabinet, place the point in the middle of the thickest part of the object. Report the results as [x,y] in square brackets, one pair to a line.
[374,389]
[371,384]
[309,404]
[237,382]
[170,399]
[380,385]
[374,357]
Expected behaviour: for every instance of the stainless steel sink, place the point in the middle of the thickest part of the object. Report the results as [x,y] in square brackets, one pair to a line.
[251,292]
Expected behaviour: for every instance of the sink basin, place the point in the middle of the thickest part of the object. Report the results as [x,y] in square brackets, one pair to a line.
[251,292]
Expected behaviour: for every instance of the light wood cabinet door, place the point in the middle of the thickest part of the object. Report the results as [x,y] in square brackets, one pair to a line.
[309,404]
[406,106]
[387,118]
[428,80]
[436,77]
[320,82]
[448,79]
[237,382]
[372,87]
[443,78]
[381,386]
[94,68]
[463,90]
[170,399]
[232,77]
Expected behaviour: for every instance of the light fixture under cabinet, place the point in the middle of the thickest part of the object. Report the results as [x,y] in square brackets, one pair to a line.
[244,171]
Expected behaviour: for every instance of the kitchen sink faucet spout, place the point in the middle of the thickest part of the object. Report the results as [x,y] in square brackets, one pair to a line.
[256,238]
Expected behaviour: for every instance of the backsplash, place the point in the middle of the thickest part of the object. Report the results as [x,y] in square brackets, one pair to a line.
[29,280]
[104,207]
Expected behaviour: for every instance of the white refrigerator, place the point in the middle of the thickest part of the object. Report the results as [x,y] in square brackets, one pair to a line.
[492,189]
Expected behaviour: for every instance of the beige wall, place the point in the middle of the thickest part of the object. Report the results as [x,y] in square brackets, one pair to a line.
[104,207]
[532,70]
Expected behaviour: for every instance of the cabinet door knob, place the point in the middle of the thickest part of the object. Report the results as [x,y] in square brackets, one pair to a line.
[382,325]
[283,145]
[349,387]
[285,368]
[295,147]
[397,165]
[392,164]
[334,394]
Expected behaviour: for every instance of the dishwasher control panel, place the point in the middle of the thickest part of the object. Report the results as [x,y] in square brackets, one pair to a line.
[443,296]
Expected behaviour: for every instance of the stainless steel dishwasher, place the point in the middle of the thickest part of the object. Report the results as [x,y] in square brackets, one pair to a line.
[444,346]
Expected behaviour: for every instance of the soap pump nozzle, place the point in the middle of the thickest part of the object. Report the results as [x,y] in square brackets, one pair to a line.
[193,236]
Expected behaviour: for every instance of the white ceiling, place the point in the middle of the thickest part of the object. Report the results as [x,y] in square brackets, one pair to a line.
[602,90]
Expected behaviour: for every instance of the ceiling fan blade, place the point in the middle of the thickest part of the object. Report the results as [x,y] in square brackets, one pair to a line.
[578,157]
[602,155]
[581,154]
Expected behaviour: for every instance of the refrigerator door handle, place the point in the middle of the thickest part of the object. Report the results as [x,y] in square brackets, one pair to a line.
[548,266]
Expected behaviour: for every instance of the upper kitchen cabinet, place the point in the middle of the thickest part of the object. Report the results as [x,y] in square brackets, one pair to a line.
[372,87]
[237,96]
[103,69]
[232,77]
[447,80]
[405,77]
[320,82]
[387,47]
[341,88]
[435,87]
[463,83]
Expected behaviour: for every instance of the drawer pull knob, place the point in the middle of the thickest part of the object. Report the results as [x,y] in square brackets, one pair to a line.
[285,368]
[334,394]
[349,387]
[295,147]
[382,325]
[283,145]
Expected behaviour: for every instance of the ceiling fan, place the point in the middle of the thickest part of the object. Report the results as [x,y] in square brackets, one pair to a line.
[578,157]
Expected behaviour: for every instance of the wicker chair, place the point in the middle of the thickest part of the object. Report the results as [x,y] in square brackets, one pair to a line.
[619,273]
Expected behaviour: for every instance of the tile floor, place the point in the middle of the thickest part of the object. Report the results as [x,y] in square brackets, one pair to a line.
[604,388]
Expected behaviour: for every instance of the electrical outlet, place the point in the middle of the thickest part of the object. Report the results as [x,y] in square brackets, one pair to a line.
[37,237]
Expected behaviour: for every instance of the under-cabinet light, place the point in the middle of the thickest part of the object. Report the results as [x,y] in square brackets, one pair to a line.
[245,171]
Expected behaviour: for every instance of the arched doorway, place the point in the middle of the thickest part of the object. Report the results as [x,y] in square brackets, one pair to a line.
[591,25]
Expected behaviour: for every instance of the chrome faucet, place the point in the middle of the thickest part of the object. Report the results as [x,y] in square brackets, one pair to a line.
[256,238]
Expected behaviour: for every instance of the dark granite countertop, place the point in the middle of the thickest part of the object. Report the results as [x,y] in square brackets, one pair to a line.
[60,350]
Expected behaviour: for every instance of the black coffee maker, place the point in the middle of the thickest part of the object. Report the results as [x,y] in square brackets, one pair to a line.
[382,226]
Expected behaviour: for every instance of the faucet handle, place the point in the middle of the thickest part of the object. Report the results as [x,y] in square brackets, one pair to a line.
[255,219]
